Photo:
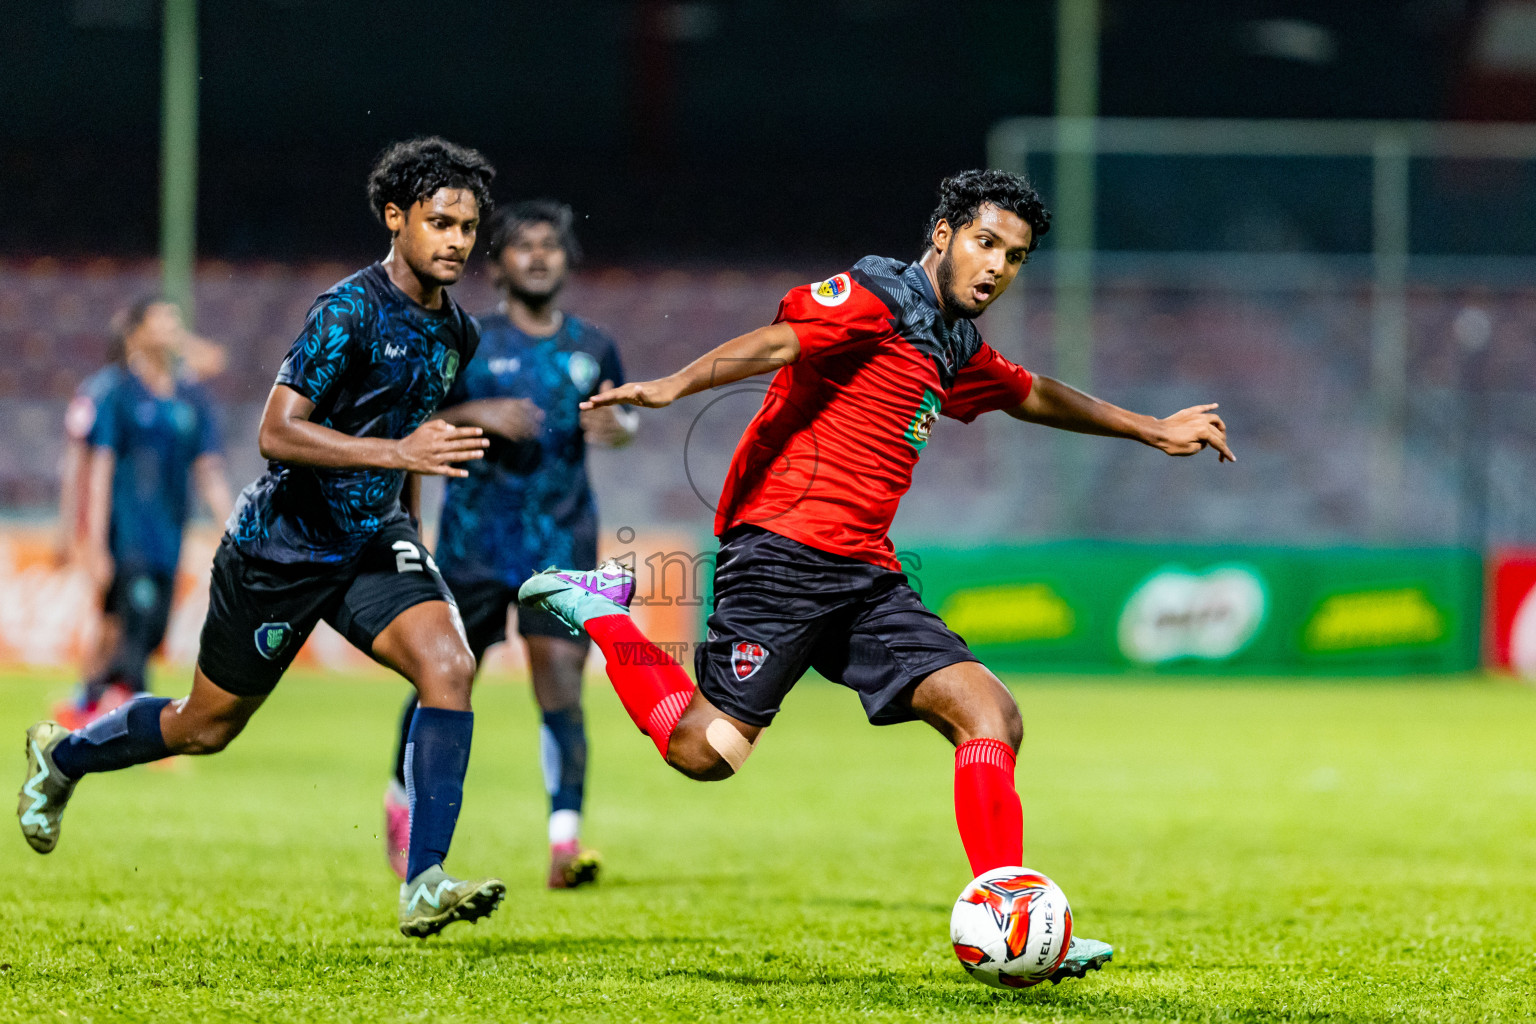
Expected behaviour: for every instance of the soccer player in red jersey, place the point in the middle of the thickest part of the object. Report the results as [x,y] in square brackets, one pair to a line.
[865,363]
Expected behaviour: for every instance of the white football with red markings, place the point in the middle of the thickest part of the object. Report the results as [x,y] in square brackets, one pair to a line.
[1011,927]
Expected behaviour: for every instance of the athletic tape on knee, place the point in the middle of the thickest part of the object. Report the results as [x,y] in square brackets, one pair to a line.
[729,743]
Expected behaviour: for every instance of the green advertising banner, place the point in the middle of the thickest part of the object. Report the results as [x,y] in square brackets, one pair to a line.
[1100,606]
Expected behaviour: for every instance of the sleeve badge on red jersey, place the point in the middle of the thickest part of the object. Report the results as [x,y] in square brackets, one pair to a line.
[746,658]
[834,291]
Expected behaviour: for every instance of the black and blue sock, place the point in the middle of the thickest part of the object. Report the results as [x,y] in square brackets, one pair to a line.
[563,755]
[436,758]
[128,736]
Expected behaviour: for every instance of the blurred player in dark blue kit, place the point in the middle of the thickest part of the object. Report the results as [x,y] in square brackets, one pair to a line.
[152,431]
[327,533]
[528,504]
[143,428]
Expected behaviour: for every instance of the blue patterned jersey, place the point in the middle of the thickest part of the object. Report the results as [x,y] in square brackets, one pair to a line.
[154,441]
[528,503]
[375,364]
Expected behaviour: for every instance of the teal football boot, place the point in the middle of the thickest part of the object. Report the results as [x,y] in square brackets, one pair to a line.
[1083,955]
[574,597]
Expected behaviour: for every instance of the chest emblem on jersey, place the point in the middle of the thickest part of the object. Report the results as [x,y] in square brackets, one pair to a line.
[834,291]
[746,658]
[272,639]
[393,351]
[450,368]
[583,371]
[923,420]
[185,417]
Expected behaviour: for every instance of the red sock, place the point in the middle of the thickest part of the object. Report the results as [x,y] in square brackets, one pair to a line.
[987,806]
[653,688]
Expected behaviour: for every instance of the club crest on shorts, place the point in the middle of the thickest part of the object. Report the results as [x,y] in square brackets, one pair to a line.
[272,639]
[746,658]
[834,291]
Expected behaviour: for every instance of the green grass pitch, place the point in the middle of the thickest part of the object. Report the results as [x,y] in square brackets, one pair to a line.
[1324,851]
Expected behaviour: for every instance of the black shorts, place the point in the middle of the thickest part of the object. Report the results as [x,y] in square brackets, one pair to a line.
[260,613]
[141,600]
[483,605]
[782,607]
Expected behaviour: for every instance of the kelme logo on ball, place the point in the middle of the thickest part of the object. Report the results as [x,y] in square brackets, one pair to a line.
[272,639]
[834,291]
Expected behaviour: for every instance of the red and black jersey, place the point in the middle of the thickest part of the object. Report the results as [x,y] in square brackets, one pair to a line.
[827,458]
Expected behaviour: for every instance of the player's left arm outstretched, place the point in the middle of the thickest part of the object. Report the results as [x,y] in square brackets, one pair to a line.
[1054,404]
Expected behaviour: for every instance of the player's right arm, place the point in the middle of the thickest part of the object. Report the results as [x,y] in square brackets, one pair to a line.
[73,466]
[102,439]
[288,435]
[814,320]
[764,350]
[101,462]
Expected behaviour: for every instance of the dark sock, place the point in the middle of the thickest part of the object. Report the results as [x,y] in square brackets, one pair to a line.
[563,752]
[405,737]
[437,755]
[130,735]
[92,689]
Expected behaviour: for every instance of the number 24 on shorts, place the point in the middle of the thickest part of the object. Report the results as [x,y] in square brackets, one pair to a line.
[408,557]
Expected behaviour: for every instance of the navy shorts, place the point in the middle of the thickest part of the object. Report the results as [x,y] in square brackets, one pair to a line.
[782,607]
[483,604]
[141,599]
[260,613]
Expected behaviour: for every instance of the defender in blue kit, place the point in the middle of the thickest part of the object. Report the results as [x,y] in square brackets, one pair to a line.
[528,504]
[328,532]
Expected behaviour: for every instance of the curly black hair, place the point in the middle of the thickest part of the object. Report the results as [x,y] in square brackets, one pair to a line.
[512,219]
[961,197]
[408,172]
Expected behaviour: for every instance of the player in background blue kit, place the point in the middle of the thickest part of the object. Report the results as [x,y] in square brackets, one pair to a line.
[153,431]
[324,533]
[528,504]
[134,580]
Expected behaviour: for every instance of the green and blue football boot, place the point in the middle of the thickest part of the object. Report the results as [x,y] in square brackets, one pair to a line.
[46,790]
[435,899]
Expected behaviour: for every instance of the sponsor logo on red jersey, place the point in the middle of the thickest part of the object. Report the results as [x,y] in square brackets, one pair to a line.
[747,657]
